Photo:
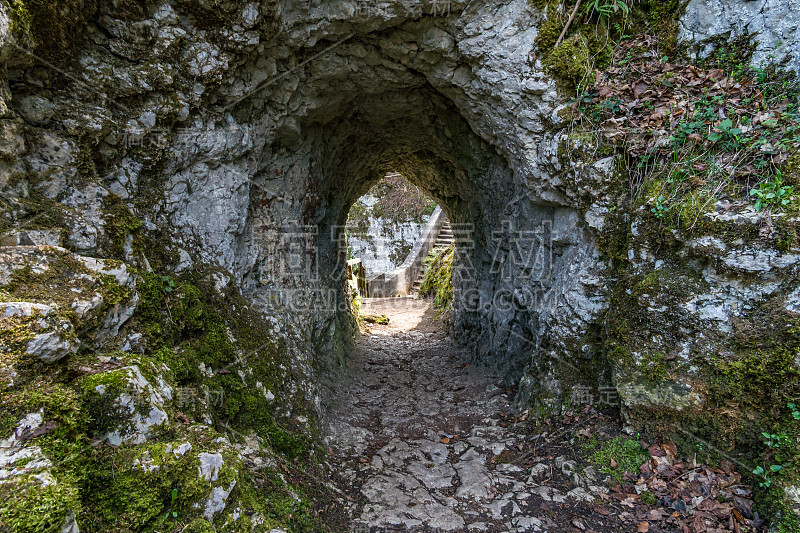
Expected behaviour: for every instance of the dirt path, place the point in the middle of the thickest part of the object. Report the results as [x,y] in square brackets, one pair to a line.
[425,442]
[417,429]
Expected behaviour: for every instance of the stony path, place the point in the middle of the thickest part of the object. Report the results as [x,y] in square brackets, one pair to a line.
[422,438]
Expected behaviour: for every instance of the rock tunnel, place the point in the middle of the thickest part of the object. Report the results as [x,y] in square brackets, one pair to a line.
[354,102]
[422,135]
[242,134]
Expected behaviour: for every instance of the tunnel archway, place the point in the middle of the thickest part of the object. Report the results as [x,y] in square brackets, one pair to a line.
[273,126]
[223,143]
[421,134]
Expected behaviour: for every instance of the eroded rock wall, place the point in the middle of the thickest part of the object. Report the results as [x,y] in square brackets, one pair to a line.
[234,141]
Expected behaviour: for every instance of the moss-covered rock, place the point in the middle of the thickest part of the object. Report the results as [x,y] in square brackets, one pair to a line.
[52,27]
[570,60]
[438,279]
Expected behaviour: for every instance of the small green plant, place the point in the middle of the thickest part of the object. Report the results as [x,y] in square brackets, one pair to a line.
[724,129]
[766,475]
[783,451]
[606,8]
[171,513]
[617,456]
[660,209]
[775,441]
[169,285]
[772,193]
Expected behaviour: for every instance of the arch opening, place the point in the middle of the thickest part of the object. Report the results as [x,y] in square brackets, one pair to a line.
[384,224]
[421,135]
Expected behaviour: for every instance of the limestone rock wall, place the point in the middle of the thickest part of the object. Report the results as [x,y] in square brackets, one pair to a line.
[383,225]
[774,23]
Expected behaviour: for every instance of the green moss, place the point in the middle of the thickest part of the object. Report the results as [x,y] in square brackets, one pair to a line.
[381,320]
[791,171]
[186,323]
[659,17]
[549,30]
[199,525]
[63,278]
[58,403]
[438,280]
[570,61]
[588,43]
[29,507]
[291,445]
[626,453]
[186,326]
[759,380]
[15,332]
[653,366]
[631,326]
[772,503]
[20,20]
[100,392]
[120,225]
[131,488]
[648,498]
[52,27]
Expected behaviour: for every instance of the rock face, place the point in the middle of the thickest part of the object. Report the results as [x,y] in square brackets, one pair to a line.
[775,22]
[232,137]
[254,135]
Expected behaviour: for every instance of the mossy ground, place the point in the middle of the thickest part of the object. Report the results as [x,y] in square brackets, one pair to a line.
[617,456]
[589,41]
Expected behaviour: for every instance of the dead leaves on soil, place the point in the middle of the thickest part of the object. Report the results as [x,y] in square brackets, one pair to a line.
[641,100]
[691,498]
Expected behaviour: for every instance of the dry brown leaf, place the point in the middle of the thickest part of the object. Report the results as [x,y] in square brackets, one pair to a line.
[670,448]
[643,527]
